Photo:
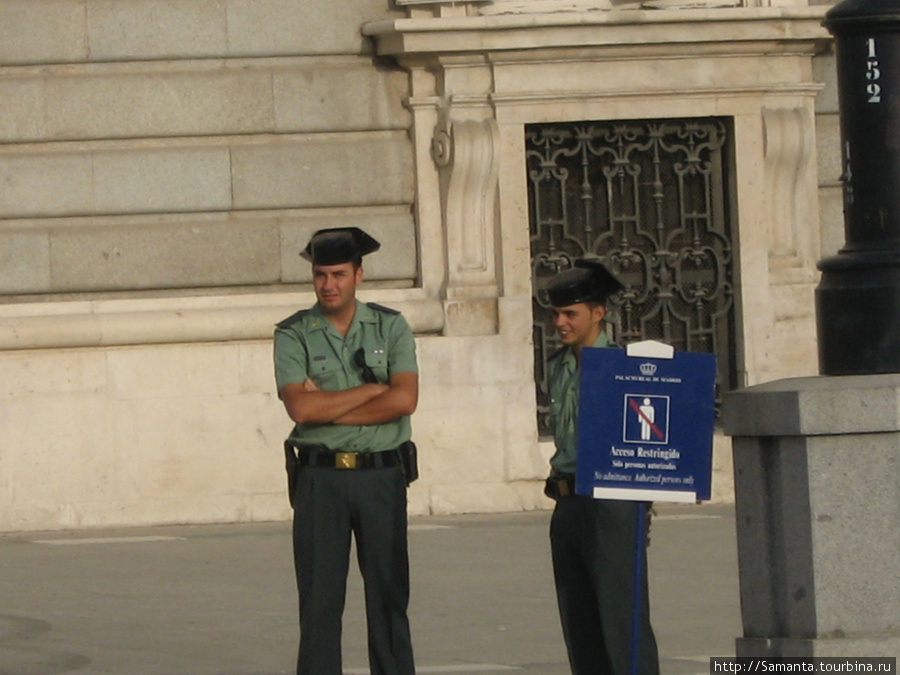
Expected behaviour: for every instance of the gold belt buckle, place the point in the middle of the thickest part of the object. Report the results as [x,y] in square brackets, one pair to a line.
[345,460]
[563,486]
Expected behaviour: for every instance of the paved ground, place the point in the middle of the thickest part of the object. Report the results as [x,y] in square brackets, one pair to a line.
[220,600]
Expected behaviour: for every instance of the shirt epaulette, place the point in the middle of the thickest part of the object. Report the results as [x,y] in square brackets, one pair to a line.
[285,323]
[381,308]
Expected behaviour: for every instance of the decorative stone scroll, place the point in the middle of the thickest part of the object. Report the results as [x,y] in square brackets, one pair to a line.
[789,142]
[467,154]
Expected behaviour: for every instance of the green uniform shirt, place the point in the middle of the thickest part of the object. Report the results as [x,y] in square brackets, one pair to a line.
[307,345]
[563,380]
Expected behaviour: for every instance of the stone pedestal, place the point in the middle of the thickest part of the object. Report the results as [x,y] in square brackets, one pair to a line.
[817,496]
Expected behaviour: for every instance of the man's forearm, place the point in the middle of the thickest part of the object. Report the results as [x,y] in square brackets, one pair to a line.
[385,407]
[399,400]
[305,405]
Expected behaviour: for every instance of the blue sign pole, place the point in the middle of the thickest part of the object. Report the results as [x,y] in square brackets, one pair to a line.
[639,538]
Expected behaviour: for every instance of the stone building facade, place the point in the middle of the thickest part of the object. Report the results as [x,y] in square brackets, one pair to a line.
[162,162]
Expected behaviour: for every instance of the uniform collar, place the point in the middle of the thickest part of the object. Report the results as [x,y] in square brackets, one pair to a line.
[602,340]
[315,320]
[363,314]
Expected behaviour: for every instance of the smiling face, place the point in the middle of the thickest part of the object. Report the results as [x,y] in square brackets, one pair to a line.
[578,325]
[336,286]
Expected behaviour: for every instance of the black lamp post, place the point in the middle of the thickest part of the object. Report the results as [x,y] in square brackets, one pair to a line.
[858,298]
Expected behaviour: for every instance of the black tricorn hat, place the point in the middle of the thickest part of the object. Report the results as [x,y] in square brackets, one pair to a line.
[337,245]
[587,281]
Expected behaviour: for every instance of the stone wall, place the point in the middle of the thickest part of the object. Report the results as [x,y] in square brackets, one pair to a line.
[158,144]
[163,161]
[192,432]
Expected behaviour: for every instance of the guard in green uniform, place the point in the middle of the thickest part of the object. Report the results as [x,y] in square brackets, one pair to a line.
[592,540]
[346,372]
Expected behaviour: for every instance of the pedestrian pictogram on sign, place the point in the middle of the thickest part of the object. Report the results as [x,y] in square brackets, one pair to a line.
[646,419]
[645,426]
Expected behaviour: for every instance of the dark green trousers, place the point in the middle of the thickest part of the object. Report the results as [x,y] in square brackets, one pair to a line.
[593,546]
[329,506]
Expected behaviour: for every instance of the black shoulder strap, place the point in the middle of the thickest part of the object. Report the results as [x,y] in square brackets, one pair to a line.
[284,323]
[381,308]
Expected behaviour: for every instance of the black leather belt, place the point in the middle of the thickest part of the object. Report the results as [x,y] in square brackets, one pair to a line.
[347,460]
[559,487]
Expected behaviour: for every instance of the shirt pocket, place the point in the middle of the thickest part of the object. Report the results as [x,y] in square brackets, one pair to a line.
[327,372]
[377,361]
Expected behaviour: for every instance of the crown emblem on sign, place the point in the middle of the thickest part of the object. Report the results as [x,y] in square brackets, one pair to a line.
[648,368]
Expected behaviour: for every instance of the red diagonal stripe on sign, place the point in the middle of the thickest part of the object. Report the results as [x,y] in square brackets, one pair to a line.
[637,409]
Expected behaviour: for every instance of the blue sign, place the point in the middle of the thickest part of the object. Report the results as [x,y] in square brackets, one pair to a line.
[645,424]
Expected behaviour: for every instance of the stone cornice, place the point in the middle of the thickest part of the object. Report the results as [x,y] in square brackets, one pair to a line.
[105,323]
[432,36]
